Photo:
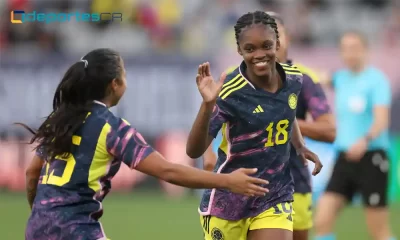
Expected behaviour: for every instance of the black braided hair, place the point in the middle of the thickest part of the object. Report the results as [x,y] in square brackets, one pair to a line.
[278,18]
[256,17]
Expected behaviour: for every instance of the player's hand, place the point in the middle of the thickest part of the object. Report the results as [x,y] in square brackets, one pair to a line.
[357,150]
[240,182]
[306,155]
[208,88]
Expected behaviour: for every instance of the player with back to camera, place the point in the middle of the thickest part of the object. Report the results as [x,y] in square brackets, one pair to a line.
[252,138]
[362,103]
[81,147]
[311,100]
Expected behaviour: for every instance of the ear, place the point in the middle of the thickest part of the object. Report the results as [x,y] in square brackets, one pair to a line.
[239,50]
[278,45]
[115,83]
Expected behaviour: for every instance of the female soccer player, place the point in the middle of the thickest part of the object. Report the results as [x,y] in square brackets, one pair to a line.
[255,106]
[363,99]
[83,145]
[311,100]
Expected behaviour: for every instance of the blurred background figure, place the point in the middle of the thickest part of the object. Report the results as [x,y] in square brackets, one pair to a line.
[363,99]
[163,42]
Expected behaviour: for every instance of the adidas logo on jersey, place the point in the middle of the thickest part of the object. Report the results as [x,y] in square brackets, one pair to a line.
[258,109]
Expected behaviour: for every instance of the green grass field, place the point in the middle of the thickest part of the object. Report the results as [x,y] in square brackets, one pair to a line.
[148,216]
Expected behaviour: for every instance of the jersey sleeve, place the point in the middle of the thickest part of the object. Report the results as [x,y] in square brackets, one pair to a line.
[220,115]
[126,144]
[381,95]
[314,97]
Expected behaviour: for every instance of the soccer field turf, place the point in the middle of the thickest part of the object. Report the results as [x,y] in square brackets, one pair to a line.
[145,216]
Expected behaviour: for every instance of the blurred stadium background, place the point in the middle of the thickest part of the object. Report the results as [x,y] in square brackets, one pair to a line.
[162,42]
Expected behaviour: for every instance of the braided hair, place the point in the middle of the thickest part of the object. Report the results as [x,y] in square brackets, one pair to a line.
[256,17]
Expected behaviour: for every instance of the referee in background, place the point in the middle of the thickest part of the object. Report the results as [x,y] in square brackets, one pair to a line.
[362,105]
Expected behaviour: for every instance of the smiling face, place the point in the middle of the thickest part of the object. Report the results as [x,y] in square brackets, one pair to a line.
[258,45]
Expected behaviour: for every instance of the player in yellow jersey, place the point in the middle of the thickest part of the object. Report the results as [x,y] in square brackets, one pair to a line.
[82,146]
[255,109]
[311,101]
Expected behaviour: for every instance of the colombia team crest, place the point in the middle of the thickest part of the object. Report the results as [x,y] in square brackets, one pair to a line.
[217,234]
[292,101]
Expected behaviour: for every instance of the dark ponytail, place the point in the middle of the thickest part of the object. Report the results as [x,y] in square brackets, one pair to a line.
[84,82]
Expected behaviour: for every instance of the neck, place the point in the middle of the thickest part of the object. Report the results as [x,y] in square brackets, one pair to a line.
[105,102]
[358,68]
[283,58]
[269,83]
[282,55]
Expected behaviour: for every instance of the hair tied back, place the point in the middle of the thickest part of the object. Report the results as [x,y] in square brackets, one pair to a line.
[85,61]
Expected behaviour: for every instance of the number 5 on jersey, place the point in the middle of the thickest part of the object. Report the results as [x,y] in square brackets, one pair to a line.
[51,178]
[281,133]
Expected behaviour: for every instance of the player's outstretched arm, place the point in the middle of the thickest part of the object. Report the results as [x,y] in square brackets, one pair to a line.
[32,178]
[238,181]
[199,138]
[127,145]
